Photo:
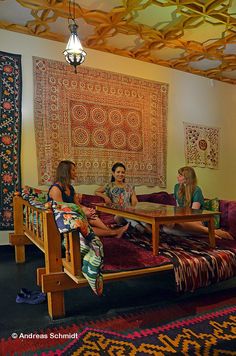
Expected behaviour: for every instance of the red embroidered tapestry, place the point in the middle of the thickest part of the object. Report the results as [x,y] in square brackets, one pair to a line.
[97,118]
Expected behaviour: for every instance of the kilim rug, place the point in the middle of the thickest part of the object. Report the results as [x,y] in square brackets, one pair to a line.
[201,145]
[10,134]
[211,333]
[97,118]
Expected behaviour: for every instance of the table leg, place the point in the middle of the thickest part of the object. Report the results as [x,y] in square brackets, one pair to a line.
[155,237]
[211,228]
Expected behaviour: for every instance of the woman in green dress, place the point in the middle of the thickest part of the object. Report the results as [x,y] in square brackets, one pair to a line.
[188,194]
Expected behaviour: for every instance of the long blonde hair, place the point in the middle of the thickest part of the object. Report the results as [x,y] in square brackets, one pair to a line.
[186,190]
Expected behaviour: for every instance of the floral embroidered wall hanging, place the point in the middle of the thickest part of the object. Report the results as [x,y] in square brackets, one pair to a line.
[201,145]
[10,134]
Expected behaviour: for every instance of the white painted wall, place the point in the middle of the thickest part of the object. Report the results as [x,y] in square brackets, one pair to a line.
[192,99]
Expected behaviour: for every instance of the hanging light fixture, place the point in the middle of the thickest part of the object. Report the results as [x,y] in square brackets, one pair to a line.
[74,53]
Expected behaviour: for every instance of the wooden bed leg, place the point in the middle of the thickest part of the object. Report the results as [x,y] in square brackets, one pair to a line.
[40,272]
[56,305]
[211,229]
[20,254]
[53,263]
[18,227]
[155,237]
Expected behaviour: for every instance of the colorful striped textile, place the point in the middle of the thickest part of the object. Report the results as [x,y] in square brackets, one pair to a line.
[196,264]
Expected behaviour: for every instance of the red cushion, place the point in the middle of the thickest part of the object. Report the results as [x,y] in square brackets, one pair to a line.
[224,207]
[88,199]
[232,218]
[159,198]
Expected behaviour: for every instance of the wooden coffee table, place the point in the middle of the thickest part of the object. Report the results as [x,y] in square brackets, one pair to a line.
[157,214]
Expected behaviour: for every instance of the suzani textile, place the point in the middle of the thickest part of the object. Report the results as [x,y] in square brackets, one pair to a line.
[201,145]
[10,134]
[97,118]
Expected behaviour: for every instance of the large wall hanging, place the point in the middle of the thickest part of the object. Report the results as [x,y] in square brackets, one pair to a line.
[201,145]
[10,134]
[97,118]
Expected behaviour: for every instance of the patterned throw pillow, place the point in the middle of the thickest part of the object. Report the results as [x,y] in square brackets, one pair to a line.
[213,205]
[35,197]
[69,217]
[38,199]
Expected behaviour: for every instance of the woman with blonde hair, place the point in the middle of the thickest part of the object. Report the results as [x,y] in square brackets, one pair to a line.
[188,194]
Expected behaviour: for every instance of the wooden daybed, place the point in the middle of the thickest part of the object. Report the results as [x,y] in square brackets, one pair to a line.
[59,273]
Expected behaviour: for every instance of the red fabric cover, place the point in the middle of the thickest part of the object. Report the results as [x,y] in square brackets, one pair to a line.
[88,199]
[159,198]
[226,244]
[232,218]
[228,216]
[122,255]
[224,207]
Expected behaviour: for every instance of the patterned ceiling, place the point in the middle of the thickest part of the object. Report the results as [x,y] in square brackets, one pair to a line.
[198,37]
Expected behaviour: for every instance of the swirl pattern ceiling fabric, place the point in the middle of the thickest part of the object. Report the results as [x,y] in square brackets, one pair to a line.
[198,37]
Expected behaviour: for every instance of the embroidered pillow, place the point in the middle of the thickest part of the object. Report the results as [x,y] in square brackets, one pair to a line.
[213,205]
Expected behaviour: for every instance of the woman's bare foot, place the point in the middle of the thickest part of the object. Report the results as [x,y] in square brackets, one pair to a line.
[222,234]
[121,231]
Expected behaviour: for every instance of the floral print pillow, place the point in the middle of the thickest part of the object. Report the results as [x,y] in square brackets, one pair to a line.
[35,197]
[213,205]
[69,217]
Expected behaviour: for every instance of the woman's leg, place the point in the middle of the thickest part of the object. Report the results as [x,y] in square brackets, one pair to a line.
[138,225]
[97,222]
[192,227]
[101,229]
[198,227]
[222,234]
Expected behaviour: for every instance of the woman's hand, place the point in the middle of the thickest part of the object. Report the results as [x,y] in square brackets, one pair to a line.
[89,212]
[77,198]
[100,192]
[107,200]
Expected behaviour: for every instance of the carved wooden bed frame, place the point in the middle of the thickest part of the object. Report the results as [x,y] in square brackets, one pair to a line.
[59,274]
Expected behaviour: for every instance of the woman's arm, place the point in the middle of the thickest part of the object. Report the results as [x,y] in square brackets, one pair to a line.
[100,192]
[77,198]
[89,212]
[196,205]
[134,199]
[176,188]
[55,194]
[197,199]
